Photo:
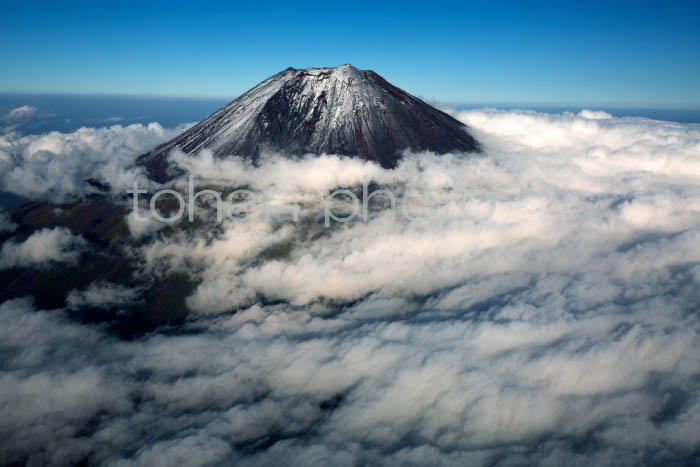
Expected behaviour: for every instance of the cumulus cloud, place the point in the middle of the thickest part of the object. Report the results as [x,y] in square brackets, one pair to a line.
[562,329]
[19,113]
[6,224]
[55,166]
[566,190]
[141,226]
[42,248]
[102,295]
[524,381]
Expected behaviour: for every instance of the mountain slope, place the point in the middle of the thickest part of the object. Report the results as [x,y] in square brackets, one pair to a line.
[340,110]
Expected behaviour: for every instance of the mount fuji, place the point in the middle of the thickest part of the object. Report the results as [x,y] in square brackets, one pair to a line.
[342,110]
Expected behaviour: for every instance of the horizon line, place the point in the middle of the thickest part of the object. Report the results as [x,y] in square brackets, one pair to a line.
[435,102]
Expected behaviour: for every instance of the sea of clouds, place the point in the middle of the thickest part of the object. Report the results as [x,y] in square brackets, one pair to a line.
[558,326]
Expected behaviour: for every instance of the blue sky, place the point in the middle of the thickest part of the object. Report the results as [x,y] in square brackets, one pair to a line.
[568,53]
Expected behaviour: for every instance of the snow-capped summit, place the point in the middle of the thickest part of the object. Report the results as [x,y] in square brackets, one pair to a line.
[341,110]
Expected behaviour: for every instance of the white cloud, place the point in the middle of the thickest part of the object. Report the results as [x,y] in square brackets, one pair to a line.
[55,166]
[19,113]
[42,248]
[102,295]
[141,226]
[568,190]
[563,330]
[6,224]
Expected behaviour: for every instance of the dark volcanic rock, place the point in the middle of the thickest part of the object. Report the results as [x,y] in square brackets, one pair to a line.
[340,110]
